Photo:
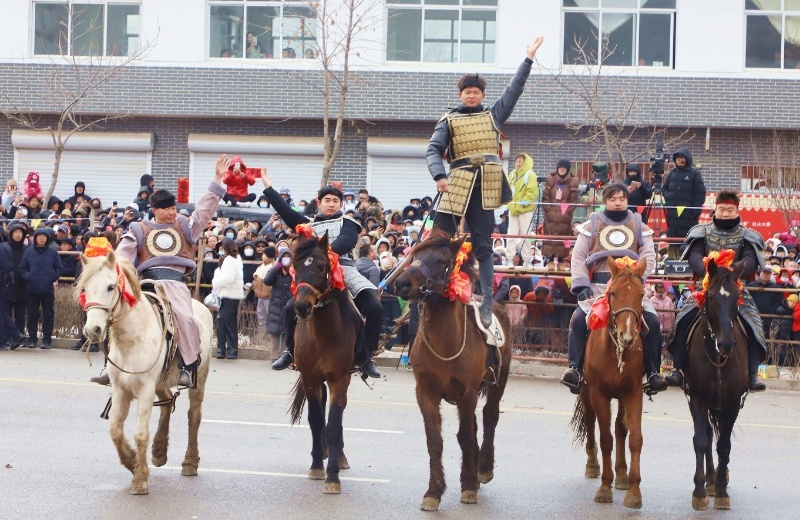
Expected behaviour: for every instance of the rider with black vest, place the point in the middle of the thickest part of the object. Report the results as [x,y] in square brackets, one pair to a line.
[343,236]
[724,232]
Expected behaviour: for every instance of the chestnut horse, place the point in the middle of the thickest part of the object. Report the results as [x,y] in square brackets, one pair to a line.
[717,380]
[449,359]
[613,370]
[325,340]
[137,349]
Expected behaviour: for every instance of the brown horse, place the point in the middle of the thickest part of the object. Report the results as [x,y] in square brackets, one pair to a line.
[613,369]
[325,340]
[717,380]
[449,359]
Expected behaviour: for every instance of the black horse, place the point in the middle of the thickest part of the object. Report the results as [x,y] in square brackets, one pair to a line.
[717,382]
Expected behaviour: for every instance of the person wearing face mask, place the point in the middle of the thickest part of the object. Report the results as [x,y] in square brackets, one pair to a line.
[229,286]
[249,255]
[525,188]
[229,231]
[639,189]
[725,231]
[615,232]
[280,280]
[262,202]
[263,293]
[559,196]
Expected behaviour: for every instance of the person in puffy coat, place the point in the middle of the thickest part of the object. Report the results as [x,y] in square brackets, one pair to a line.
[684,194]
[560,188]
[229,286]
[525,188]
[281,282]
[237,181]
[17,296]
[40,268]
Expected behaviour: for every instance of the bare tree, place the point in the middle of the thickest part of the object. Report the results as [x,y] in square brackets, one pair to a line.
[70,83]
[613,123]
[778,174]
[344,27]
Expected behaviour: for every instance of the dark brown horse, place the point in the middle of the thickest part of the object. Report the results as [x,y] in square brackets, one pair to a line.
[717,380]
[449,359]
[613,370]
[325,340]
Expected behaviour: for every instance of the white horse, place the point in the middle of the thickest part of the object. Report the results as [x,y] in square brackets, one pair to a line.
[136,357]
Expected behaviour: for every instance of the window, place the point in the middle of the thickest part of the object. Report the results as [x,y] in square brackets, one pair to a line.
[619,32]
[262,30]
[772,34]
[85,29]
[441,31]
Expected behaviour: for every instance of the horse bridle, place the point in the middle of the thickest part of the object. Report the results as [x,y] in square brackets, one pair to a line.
[429,287]
[320,299]
[110,309]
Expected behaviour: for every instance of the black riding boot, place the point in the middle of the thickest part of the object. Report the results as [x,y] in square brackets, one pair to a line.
[680,345]
[652,355]
[370,307]
[754,359]
[185,377]
[576,347]
[486,270]
[289,322]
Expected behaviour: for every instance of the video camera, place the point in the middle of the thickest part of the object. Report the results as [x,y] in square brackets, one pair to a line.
[657,162]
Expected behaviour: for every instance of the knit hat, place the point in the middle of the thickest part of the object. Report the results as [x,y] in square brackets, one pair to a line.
[633,167]
[792,298]
[563,163]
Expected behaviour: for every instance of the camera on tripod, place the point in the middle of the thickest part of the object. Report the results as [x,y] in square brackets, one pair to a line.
[657,162]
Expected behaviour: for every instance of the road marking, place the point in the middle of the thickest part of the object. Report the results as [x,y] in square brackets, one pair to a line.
[281,425]
[273,474]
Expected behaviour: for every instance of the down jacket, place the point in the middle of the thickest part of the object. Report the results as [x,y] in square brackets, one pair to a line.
[41,266]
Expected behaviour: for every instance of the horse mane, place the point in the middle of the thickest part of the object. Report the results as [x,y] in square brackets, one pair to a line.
[438,240]
[95,264]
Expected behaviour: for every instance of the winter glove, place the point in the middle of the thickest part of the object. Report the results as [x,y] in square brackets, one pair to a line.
[584,294]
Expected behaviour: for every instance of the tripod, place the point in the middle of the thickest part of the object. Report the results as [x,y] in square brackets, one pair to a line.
[655,209]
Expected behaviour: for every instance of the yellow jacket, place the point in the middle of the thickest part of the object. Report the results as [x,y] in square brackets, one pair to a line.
[525,187]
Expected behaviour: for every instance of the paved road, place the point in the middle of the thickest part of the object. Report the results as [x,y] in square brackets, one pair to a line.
[57,460]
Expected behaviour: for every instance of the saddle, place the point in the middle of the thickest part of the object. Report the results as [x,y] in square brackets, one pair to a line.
[169,333]
[495,339]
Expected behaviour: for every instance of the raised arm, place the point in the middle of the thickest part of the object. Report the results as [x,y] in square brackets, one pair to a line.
[502,108]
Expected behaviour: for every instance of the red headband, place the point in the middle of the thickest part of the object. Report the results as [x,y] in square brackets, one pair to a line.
[728,200]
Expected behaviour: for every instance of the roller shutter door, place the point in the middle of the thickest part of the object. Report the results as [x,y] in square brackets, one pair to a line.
[110,164]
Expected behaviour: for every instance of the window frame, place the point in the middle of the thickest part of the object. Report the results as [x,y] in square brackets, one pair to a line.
[70,4]
[637,12]
[783,13]
[460,7]
[281,5]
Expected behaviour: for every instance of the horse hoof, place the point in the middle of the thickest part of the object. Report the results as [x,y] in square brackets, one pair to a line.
[430,504]
[332,488]
[592,471]
[485,478]
[711,489]
[632,501]
[604,495]
[189,470]
[699,504]
[140,490]
[722,502]
[316,474]
[343,464]
[159,461]
[622,482]
[469,496]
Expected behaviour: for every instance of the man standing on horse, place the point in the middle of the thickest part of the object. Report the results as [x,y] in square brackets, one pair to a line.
[612,233]
[469,138]
[725,231]
[162,250]
[343,234]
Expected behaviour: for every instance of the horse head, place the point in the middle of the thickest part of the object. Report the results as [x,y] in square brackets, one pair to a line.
[721,303]
[428,272]
[625,293]
[101,287]
[311,274]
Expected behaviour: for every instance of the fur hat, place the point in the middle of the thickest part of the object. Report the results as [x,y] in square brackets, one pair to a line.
[162,199]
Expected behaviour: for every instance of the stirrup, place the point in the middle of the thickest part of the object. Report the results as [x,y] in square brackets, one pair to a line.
[183,375]
[493,381]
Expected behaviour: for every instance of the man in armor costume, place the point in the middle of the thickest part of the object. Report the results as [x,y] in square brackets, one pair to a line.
[468,136]
[162,250]
[613,233]
[343,234]
[725,231]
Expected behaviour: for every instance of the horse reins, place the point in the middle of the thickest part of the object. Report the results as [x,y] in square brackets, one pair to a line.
[612,330]
[430,348]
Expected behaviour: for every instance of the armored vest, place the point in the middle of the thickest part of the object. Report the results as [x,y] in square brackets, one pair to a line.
[473,152]
[160,246]
[615,241]
[333,228]
[718,239]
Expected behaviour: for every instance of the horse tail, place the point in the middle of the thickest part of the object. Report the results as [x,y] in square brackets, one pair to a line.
[299,401]
[578,425]
[713,417]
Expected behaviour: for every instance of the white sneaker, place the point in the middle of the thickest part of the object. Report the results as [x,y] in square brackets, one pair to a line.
[245,204]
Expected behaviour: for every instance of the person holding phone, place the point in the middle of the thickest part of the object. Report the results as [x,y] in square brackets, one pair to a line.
[237,181]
